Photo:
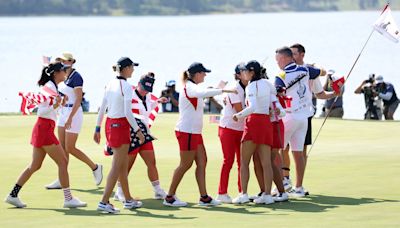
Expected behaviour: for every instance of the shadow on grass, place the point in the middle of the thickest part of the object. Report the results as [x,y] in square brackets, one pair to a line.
[94,191]
[322,203]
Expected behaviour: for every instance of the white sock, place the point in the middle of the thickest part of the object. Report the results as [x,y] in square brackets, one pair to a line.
[67,194]
[156,185]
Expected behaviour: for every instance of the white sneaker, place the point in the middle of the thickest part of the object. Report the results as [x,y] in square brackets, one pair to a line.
[14,201]
[224,198]
[209,202]
[106,207]
[119,195]
[281,197]
[241,199]
[98,174]
[75,202]
[174,202]
[264,199]
[287,184]
[298,192]
[252,198]
[275,192]
[129,204]
[159,194]
[54,185]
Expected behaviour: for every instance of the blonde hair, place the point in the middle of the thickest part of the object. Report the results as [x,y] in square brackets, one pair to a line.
[186,76]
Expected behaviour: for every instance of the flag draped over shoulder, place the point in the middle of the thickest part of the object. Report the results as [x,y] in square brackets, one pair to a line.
[31,100]
[139,119]
[387,26]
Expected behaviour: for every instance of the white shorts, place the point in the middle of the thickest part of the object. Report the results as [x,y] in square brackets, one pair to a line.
[295,132]
[77,120]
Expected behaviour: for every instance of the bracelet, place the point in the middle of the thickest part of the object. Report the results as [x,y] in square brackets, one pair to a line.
[97,130]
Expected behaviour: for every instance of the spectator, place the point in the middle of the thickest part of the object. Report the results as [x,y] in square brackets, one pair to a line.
[373,103]
[173,97]
[385,90]
[335,106]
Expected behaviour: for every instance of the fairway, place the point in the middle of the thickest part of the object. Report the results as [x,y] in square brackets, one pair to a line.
[353,176]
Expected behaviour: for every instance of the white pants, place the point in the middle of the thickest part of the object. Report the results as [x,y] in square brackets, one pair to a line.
[77,120]
[295,131]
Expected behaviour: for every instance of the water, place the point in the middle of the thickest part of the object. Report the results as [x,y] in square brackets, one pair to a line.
[168,45]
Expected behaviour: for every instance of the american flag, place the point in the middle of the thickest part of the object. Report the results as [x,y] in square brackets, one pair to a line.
[31,100]
[46,60]
[135,110]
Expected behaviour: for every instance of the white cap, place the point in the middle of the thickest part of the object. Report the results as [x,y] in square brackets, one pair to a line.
[331,72]
[379,79]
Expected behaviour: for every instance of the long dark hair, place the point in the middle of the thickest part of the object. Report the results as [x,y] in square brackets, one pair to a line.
[48,73]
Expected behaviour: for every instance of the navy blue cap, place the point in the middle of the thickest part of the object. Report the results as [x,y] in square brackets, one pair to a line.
[126,61]
[253,65]
[147,82]
[240,67]
[197,67]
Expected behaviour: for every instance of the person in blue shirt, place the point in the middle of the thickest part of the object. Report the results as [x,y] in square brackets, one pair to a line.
[386,91]
[173,97]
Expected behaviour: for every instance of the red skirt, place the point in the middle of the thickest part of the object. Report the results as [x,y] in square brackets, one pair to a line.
[278,134]
[118,132]
[147,146]
[258,128]
[43,133]
[188,141]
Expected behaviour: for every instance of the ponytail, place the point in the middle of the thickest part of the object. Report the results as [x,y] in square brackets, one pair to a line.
[48,73]
[185,76]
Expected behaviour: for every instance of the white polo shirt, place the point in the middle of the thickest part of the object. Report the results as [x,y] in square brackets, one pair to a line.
[191,107]
[227,112]
[118,102]
[258,98]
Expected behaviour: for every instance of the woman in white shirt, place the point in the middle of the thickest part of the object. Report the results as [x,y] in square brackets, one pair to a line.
[43,139]
[70,119]
[230,132]
[117,101]
[188,133]
[257,132]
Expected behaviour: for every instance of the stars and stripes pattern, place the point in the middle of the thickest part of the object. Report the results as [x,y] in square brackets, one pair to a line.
[138,111]
[31,100]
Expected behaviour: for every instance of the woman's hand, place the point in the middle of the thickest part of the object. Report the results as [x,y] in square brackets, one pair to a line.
[96,137]
[162,100]
[68,123]
[140,136]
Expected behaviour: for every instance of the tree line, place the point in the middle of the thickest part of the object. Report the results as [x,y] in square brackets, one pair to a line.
[175,7]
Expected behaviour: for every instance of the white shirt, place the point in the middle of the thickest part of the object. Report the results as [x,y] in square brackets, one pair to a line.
[118,102]
[45,110]
[191,107]
[227,112]
[316,88]
[300,91]
[258,98]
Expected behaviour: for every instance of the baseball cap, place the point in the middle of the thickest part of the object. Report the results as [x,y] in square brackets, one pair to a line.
[240,67]
[147,82]
[125,61]
[379,79]
[171,83]
[66,56]
[253,65]
[331,72]
[197,67]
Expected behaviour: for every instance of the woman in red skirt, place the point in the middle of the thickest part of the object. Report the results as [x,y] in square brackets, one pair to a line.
[257,134]
[44,141]
[117,101]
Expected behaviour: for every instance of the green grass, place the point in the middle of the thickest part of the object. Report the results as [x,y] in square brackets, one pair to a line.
[352,174]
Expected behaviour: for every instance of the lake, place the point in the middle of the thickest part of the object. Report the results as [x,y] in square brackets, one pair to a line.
[167,45]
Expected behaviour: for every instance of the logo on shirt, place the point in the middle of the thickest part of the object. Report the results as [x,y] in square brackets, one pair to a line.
[301,91]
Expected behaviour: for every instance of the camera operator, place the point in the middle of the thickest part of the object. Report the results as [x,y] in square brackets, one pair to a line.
[173,97]
[387,93]
[373,103]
